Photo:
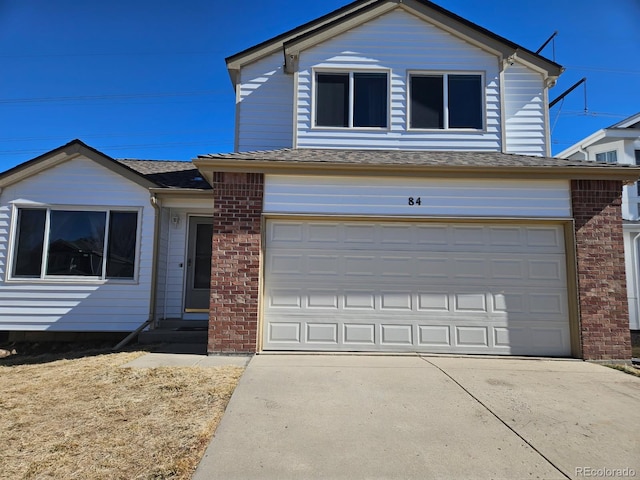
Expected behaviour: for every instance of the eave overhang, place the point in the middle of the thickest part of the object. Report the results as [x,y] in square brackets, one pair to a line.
[295,41]
[70,151]
[626,174]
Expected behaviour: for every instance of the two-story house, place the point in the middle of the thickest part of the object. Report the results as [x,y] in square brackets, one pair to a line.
[391,191]
[620,143]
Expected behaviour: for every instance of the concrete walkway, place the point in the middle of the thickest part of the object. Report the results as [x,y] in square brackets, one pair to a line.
[153,360]
[412,417]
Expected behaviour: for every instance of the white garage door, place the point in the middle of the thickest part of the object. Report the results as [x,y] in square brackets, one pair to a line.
[415,287]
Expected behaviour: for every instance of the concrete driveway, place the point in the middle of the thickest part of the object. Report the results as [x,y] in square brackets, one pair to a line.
[423,417]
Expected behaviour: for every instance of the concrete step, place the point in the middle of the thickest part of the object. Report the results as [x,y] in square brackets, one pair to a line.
[179,324]
[179,336]
[188,348]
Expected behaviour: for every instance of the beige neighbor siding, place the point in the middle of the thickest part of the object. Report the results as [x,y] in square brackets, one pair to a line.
[265,106]
[76,305]
[398,42]
[525,116]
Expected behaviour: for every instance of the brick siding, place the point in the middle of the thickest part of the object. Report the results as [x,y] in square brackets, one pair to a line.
[604,318]
[235,262]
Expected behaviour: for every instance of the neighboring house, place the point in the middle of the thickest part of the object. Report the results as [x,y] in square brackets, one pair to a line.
[620,143]
[391,191]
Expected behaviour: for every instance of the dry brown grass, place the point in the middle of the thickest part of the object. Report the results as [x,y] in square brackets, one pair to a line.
[625,368]
[87,418]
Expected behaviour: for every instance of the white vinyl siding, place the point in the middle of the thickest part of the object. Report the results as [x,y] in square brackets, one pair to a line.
[172,256]
[162,268]
[76,304]
[397,42]
[438,197]
[415,287]
[265,106]
[525,111]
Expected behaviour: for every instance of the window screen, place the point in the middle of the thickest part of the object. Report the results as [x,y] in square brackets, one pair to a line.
[29,242]
[427,106]
[332,100]
[370,100]
[465,101]
[121,251]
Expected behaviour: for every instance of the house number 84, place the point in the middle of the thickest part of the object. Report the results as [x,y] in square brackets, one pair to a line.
[414,201]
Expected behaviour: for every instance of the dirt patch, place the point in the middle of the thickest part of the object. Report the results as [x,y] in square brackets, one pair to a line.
[90,418]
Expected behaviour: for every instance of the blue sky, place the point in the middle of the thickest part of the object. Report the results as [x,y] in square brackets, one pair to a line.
[147,79]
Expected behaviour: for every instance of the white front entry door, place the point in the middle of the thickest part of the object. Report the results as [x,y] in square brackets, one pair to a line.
[415,287]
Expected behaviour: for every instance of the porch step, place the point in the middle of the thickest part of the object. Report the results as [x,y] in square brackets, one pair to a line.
[182,325]
[181,336]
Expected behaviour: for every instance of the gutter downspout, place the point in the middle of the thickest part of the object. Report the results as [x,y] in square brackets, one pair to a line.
[154,260]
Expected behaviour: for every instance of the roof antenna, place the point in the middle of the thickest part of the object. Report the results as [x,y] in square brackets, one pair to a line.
[547,43]
[571,89]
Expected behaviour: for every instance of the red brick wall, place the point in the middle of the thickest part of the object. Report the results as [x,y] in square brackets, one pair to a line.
[604,324]
[235,262]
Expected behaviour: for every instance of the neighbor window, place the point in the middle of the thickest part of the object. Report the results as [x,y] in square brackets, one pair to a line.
[76,243]
[441,101]
[608,157]
[354,99]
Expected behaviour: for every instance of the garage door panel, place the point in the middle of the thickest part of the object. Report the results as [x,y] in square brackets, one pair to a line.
[372,286]
[385,269]
[513,302]
[434,336]
[359,334]
[472,336]
[322,333]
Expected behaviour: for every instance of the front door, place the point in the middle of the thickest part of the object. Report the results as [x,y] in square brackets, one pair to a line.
[198,264]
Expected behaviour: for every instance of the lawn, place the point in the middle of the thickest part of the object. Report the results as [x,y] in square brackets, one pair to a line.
[89,418]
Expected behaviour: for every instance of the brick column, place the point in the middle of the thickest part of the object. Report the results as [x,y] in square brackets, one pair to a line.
[235,262]
[604,324]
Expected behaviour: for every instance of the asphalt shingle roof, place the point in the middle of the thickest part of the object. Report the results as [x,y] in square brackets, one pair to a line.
[407,157]
[169,174]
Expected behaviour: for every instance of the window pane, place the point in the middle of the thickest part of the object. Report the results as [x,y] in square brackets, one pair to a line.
[332,97]
[121,249]
[29,242]
[465,101]
[427,109]
[370,100]
[609,157]
[76,243]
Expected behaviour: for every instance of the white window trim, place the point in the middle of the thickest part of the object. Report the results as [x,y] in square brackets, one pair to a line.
[350,72]
[445,99]
[44,278]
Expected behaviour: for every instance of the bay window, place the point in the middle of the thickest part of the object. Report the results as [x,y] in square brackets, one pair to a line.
[99,244]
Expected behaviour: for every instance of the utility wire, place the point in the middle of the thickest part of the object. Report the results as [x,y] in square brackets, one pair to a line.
[121,96]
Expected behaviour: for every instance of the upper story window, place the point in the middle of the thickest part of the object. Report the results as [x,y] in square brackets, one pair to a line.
[75,243]
[443,101]
[609,157]
[354,99]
